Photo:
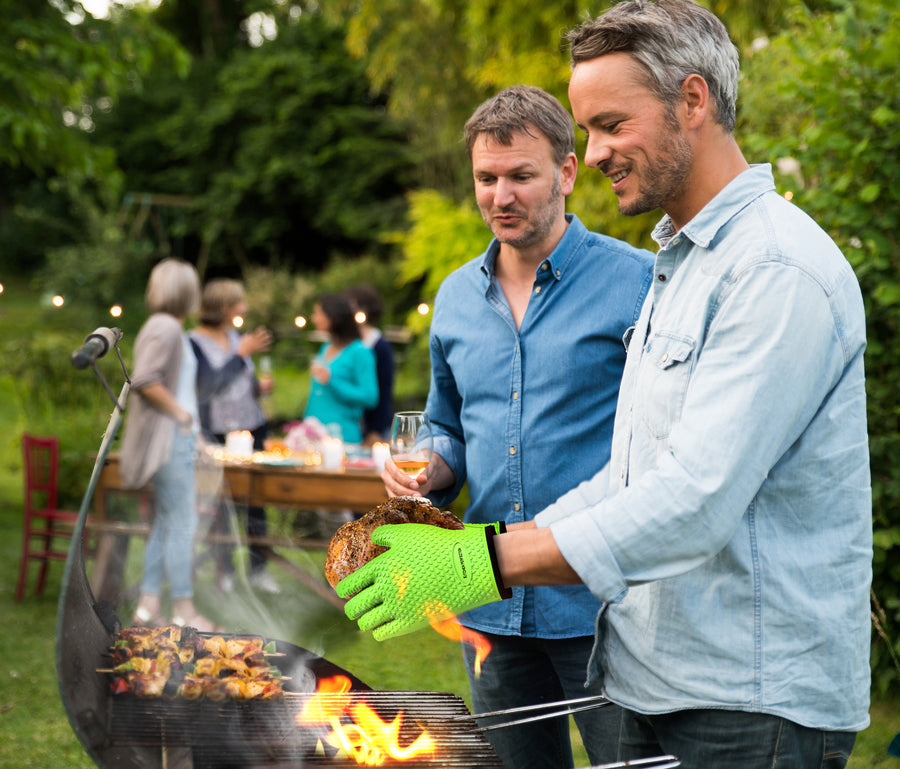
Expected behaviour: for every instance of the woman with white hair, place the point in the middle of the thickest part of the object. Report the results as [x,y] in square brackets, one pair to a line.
[158,443]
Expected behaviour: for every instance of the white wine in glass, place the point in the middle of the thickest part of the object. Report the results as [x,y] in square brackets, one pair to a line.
[411,442]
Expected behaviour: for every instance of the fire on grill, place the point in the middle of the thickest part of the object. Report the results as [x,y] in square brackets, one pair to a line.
[338,729]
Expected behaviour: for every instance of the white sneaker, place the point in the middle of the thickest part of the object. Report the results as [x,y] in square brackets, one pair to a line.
[226,583]
[264,581]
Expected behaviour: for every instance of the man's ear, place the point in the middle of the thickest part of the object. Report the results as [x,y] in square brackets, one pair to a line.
[567,173]
[696,101]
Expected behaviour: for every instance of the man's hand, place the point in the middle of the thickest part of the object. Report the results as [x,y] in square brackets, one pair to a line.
[437,475]
[428,574]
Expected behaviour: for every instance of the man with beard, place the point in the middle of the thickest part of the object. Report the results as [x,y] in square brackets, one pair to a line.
[731,531]
[526,359]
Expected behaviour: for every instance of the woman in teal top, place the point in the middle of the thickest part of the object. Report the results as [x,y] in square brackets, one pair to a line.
[344,381]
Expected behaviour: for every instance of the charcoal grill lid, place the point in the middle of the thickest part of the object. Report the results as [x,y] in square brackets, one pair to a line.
[85,629]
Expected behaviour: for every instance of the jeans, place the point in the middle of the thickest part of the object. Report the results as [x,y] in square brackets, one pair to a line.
[524,671]
[726,739]
[170,547]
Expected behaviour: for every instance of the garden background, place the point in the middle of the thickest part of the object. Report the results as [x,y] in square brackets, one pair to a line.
[306,146]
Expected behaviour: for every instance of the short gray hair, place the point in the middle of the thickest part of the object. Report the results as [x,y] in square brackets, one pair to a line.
[523,109]
[670,39]
[173,287]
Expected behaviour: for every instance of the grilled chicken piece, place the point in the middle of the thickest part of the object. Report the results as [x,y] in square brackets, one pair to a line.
[351,546]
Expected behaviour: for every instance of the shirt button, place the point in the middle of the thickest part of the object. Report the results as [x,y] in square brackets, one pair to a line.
[545,267]
[537,289]
[512,449]
[558,273]
[515,396]
[665,357]
[661,277]
[516,507]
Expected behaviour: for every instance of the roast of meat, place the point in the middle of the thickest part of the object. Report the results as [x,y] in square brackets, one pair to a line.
[351,546]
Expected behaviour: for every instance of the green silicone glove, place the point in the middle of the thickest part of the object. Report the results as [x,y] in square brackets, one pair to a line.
[427,573]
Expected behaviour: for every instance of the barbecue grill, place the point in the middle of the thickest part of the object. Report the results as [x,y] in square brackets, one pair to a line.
[126,732]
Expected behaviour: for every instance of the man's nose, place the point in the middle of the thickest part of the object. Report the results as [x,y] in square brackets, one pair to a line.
[504,193]
[597,152]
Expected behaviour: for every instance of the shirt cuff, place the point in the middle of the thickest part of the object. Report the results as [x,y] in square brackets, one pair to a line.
[581,542]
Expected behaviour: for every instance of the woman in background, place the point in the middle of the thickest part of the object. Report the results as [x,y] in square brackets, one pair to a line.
[159,441]
[344,381]
[228,392]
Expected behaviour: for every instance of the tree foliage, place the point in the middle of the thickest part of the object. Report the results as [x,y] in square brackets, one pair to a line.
[286,149]
[59,70]
[58,66]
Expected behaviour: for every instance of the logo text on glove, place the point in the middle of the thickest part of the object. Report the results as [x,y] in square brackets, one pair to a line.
[459,563]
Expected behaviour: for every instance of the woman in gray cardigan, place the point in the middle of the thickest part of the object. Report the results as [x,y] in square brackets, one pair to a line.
[159,440]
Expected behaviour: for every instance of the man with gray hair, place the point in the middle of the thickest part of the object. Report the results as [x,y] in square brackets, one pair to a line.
[731,532]
[526,359]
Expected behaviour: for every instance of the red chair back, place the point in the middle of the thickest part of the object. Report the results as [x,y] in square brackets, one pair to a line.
[44,523]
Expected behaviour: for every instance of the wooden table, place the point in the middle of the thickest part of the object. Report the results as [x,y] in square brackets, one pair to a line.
[246,483]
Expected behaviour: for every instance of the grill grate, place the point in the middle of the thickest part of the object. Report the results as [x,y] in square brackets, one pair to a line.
[229,735]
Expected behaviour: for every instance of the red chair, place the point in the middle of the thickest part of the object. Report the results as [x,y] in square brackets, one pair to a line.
[44,523]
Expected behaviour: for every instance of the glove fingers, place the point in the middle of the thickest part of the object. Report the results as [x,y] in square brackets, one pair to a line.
[391,630]
[355,582]
[361,603]
[378,617]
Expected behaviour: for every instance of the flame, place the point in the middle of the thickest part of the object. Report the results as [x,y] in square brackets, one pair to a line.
[366,738]
[447,625]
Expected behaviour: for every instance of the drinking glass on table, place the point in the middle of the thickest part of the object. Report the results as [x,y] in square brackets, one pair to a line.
[411,442]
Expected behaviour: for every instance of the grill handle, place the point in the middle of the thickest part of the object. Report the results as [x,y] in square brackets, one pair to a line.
[658,762]
[541,716]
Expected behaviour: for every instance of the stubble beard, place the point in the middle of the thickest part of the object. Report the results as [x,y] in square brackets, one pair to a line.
[537,227]
[666,176]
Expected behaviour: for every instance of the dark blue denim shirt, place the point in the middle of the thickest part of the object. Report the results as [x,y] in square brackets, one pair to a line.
[525,415]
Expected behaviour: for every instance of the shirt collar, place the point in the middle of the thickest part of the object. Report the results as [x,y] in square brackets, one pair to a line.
[558,259]
[736,195]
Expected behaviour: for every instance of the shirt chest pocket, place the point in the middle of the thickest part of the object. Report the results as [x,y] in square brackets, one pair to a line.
[665,371]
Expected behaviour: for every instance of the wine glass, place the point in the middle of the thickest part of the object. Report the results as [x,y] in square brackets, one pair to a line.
[411,442]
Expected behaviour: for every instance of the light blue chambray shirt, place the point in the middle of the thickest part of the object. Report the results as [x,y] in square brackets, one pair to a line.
[733,524]
[526,415]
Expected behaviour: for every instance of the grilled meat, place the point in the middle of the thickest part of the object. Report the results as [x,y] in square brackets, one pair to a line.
[178,662]
[351,546]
